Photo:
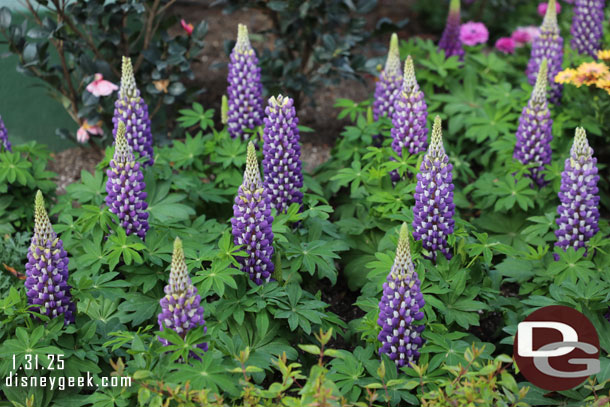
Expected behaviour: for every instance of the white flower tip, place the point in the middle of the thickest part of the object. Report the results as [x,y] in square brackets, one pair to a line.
[242,45]
[392,63]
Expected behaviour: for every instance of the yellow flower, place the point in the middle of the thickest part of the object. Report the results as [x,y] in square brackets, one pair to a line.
[590,72]
[604,83]
[565,76]
[604,54]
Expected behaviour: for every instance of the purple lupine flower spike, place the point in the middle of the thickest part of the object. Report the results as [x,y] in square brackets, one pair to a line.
[132,110]
[579,196]
[534,132]
[450,40]
[434,209]
[125,187]
[282,154]
[251,223]
[245,91]
[181,308]
[389,84]
[409,129]
[4,143]
[400,308]
[587,26]
[47,269]
[548,45]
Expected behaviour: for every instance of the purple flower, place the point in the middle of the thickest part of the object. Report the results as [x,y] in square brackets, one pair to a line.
[549,45]
[434,209]
[4,143]
[245,91]
[282,154]
[472,33]
[125,187]
[534,132]
[579,196]
[587,26]
[132,110]
[506,45]
[450,40]
[181,308]
[409,129]
[400,308]
[47,269]
[251,223]
[388,86]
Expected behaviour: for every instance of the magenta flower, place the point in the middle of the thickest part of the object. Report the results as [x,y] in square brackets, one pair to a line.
[472,33]
[506,45]
[525,35]
[543,6]
[100,86]
[187,27]
[82,135]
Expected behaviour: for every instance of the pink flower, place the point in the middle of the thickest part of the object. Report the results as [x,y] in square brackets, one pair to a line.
[525,35]
[543,6]
[100,86]
[82,135]
[506,45]
[472,33]
[186,27]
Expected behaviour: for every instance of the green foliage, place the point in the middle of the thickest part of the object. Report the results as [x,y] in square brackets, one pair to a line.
[22,173]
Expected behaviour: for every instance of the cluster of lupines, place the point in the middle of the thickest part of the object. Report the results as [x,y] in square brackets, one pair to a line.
[410,114]
[132,110]
[534,136]
[434,209]
[125,187]
[450,40]
[282,154]
[579,196]
[245,91]
[587,26]
[548,45]
[251,222]
[4,143]
[389,83]
[47,269]
[181,308]
[400,307]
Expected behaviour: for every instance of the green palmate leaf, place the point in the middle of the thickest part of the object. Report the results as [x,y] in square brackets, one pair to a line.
[183,154]
[13,168]
[170,210]
[316,256]
[90,189]
[571,266]
[217,278]
[138,308]
[209,373]
[196,116]
[119,246]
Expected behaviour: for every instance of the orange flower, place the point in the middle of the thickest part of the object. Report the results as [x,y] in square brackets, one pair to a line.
[590,72]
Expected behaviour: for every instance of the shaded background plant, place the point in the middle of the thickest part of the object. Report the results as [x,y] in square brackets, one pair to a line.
[64,44]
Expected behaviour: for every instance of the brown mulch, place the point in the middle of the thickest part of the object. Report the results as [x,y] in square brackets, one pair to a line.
[69,163]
